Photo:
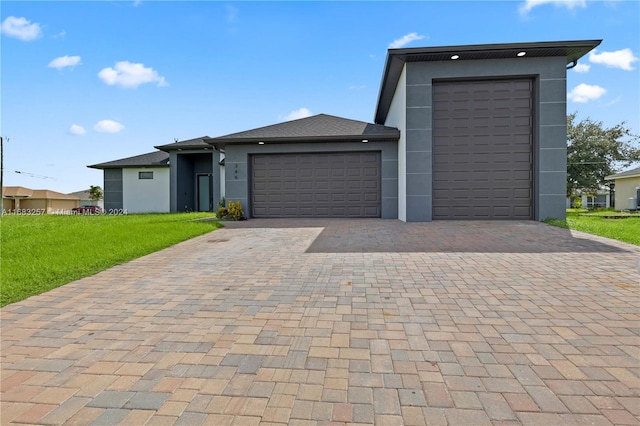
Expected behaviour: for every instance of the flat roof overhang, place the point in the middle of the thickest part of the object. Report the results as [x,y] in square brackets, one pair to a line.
[396,58]
[222,142]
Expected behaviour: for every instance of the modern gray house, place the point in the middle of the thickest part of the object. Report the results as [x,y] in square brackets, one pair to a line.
[459,132]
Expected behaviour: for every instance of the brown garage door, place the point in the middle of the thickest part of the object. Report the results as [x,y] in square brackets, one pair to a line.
[316,185]
[482,150]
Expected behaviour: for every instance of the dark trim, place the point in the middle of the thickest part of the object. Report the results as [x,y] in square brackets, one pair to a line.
[222,142]
[396,58]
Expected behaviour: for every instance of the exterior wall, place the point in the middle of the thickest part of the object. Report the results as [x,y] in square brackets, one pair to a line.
[49,205]
[625,189]
[549,128]
[112,189]
[397,117]
[145,195]
[237,170]
[184,166]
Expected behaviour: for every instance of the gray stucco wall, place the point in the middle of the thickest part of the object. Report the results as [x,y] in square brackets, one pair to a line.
[112,189]
[184,166]
[549,132]
[237,169]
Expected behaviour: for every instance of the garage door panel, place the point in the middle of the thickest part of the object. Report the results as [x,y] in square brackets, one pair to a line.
[482,149]
[316,185]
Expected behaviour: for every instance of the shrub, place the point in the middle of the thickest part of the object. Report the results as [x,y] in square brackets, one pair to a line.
[235,211]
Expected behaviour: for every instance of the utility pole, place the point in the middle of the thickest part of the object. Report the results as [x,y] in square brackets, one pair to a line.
[2,174]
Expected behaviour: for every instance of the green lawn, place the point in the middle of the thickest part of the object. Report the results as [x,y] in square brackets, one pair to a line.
[625,229]
[39,253]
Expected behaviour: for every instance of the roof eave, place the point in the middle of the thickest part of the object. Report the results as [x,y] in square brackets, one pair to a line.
[390,137]
[615,177]
[396,58]
[129,166]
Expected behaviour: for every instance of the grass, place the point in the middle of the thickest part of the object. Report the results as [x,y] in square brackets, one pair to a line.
[39,253]
[626,229]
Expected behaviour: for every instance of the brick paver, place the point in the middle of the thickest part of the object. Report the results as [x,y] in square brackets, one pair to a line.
[338,322]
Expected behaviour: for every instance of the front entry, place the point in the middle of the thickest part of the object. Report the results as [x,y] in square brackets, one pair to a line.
[205,193]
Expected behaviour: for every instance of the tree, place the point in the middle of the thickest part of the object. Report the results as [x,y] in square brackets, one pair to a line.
[95,193]
[594,152]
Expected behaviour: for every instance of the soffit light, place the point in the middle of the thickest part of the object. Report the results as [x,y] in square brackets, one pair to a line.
[365,140]
[455,57]
[260,143]
[521,54]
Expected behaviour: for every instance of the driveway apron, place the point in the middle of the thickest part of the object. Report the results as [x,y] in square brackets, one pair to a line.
[341,322]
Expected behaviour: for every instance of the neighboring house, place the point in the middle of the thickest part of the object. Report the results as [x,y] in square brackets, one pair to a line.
[21,199]
[138,184]
[627,189]
[602,199]
[85,199]
[460,132]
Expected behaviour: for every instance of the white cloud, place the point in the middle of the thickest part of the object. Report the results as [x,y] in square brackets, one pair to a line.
[130,75]
[582,68]
[64,61]
[619,59]
[528,5]
[296,114]
[404,40]
[20,28]
[583,93]
[232,14]
[108,126]
[76,129]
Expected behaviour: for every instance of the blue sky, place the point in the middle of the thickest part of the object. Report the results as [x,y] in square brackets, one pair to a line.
[89,82]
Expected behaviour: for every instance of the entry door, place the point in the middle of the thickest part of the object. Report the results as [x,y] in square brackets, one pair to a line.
[205,196]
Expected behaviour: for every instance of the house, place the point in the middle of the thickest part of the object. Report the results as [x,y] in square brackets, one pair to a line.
[37,201]
[459,132]
[627,189]
[138,184]
[85,199]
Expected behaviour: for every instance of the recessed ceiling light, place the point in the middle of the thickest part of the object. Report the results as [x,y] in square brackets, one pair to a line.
[365,140]
[521,54]
[260,143]
[455,57]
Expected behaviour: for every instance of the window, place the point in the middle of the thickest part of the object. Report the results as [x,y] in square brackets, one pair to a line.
[597,201]
[145,175]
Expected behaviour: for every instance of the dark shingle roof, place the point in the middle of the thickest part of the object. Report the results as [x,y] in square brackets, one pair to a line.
[321,127]
[396,58]
[626,174]
[191,143]
[151,159]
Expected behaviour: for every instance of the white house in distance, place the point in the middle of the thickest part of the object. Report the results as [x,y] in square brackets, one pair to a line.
[627,189]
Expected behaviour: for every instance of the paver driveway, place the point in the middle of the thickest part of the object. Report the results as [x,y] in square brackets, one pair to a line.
[344,321]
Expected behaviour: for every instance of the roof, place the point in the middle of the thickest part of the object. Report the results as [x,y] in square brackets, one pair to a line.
[52,195]
[317,128]
[151,159]
[188,144]
[19,191]
[396,58]
[16,191]
[83,195]
[627,174]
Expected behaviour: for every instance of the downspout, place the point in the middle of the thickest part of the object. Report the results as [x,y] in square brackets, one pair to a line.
[575,62]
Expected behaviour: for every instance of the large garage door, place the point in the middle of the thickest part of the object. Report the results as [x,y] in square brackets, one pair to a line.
[316,185]
[482,150]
